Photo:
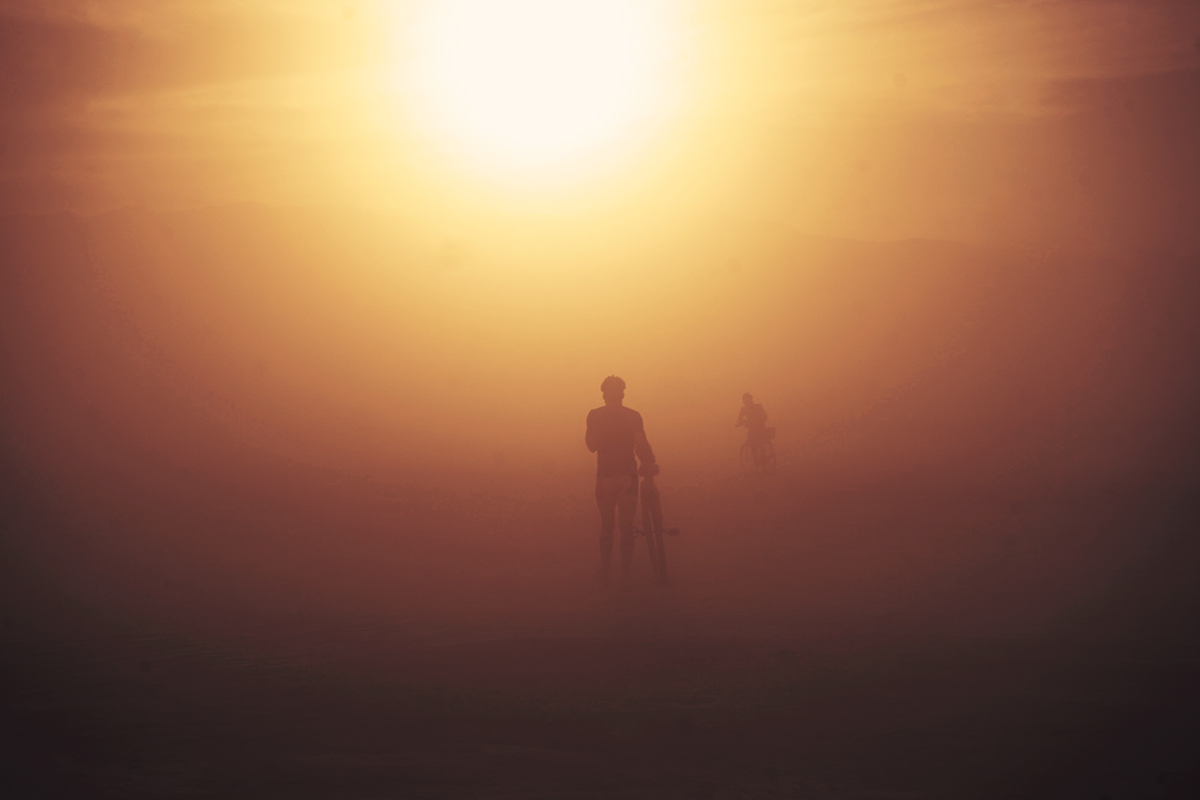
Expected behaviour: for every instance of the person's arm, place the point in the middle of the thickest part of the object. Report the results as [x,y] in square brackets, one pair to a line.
[741,417]
[590,437]
[645,454]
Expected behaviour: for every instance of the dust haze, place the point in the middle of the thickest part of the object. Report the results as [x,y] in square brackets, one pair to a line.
[294,494]
[244,423]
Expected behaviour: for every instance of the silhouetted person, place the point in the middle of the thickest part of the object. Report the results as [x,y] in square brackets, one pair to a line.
[754,418]
[615,434]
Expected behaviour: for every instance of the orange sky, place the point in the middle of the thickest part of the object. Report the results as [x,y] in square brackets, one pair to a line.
[1069,124]
[287,261]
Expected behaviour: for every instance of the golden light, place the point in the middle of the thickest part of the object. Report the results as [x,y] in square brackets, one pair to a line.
[528,83]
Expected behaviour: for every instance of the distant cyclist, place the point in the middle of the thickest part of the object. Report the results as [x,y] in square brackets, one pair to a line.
[753,417]
[615,434]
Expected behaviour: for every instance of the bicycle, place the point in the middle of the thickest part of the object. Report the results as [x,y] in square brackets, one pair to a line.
[652,529]
[758,456]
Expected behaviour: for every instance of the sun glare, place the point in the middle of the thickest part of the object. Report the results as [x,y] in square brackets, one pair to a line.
[536,82]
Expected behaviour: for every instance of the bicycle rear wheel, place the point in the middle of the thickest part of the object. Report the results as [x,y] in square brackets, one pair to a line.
[768,457]
[658,556]
[661,572]
[652,525]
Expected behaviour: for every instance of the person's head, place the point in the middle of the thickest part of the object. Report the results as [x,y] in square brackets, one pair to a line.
[613,389]
[747,399]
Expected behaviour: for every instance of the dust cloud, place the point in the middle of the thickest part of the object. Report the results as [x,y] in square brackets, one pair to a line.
[244,424]
[269,393]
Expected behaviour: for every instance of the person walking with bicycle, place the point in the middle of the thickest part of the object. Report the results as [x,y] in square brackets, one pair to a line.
[753,417]
[616,434]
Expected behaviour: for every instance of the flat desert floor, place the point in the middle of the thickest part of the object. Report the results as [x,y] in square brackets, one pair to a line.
[859,644]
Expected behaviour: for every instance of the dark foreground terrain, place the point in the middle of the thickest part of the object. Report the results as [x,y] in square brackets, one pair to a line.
[875,644]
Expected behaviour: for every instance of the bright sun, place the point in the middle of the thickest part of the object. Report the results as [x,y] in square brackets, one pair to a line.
[535,82]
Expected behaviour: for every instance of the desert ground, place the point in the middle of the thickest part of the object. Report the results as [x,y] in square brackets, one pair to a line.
[866,644]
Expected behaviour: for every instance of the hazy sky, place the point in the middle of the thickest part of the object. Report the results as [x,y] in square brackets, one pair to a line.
[1055,122]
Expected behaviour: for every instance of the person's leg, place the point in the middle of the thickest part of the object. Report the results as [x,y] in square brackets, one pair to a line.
[606,501]
[626,507]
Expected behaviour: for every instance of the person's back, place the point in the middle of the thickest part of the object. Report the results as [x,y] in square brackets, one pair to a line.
[615,434]
[753,417]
